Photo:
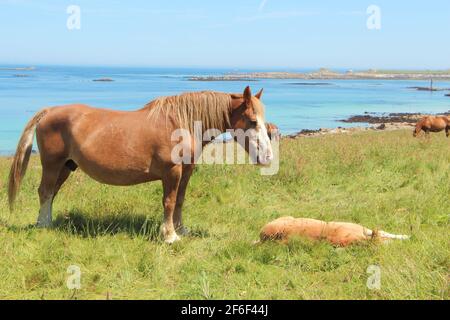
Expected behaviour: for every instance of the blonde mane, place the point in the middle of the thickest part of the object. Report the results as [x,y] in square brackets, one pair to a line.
[211,108]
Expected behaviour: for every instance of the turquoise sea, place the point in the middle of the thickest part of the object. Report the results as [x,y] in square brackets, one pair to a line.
[292,106]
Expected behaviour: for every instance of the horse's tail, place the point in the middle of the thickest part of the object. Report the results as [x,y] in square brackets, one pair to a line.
[22,156]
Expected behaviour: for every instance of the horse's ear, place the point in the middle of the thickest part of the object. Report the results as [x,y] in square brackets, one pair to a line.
[259,94]
[247,95]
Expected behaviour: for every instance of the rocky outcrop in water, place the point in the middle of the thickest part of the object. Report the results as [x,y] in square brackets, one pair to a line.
[103,80]
[428,89]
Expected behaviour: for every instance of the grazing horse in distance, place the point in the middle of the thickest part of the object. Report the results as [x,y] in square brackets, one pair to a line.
[128,148]
[433,124]
[273,131]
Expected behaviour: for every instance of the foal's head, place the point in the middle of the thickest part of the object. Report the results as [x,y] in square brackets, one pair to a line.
[247,120]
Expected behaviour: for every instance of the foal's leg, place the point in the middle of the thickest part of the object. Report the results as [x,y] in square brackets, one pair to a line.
[177,217]
[171,182]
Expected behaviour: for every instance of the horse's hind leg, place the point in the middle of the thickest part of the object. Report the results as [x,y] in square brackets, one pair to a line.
[171,182]
[177,216]
[447,131]
[53,177]
[63,175]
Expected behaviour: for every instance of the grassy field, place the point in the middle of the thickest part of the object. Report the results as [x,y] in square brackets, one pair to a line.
[384,180]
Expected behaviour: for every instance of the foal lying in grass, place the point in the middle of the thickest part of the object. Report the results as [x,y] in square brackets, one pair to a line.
[337,233]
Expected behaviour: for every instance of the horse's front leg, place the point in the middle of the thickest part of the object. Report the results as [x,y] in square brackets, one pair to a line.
[177,218]
[171,182]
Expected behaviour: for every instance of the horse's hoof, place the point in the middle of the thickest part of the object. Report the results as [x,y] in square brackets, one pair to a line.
[43,225]
[183,231]
[170,239]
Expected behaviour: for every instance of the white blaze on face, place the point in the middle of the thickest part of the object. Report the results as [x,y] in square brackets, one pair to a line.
[264,146]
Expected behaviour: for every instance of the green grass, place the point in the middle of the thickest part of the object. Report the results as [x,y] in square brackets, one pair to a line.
[382,180]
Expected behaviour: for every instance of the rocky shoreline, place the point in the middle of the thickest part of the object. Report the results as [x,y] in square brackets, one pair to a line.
[373,118]
[388,122]
[341,130]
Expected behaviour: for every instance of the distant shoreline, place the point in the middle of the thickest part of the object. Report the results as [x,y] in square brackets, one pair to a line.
[319,74]
[327,74]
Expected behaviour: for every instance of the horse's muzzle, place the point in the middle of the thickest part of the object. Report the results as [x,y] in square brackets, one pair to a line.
[265,161]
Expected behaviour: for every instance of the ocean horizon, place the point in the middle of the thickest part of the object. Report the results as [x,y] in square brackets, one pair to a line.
[291,104]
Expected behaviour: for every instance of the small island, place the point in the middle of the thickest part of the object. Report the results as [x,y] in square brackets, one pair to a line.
[18,69]
[428,89]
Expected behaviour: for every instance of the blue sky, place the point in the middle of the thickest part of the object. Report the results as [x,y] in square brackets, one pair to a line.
[232,33]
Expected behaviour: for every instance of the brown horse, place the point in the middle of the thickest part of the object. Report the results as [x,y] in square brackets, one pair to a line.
[128,148]
[433,124]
